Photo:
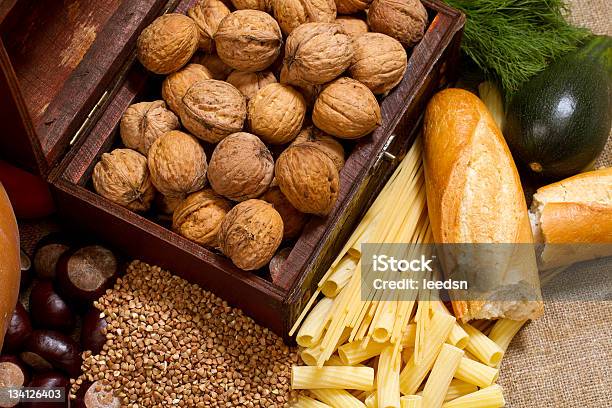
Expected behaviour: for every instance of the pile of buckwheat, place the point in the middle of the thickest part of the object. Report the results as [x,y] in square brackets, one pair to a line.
[170,343]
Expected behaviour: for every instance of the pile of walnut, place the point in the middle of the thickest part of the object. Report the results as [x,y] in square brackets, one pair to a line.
[288,73]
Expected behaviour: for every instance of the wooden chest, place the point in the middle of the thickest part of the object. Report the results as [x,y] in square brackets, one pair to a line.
[68,72]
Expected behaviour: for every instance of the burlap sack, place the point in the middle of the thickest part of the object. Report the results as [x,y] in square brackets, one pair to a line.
[564,359]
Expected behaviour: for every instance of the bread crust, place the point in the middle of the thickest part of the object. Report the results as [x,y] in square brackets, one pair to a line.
[474,192]
[10,265]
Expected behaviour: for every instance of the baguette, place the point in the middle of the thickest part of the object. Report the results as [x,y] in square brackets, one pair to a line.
[10,264]
[474,195]
[573,219]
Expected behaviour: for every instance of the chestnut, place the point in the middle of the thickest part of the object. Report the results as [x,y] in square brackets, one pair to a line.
[50,379]
[276,263]
[18,331]
[46,350]
[92,336]
[47,253]
[84,274]
[48,310]
[13,374]
[95,396]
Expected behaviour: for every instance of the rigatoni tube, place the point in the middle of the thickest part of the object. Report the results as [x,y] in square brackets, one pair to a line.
[485,349]
[411,401]
[490,397]
[306,402]
[476,373]
[312,328]
[441,376]
[351,378]
[338,398]
[504,331]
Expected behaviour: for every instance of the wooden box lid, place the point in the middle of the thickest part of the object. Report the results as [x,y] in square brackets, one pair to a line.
[59,62]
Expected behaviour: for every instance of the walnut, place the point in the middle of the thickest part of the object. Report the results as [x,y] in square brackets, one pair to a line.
[379,63]
[250,234]
[200,215]
[213,109]
[290,14]
[175,85]
[276,113]
[354,26]
[262,5]
[316,53]
[249,40]
[219,69]
[249,83]
[241,167]
[352,6]
[208,14]
[326,143]
[404,20]
[177,164]
[122,176]
[167,43]
[142,123]
[293,220]
[308,178]
[347,109]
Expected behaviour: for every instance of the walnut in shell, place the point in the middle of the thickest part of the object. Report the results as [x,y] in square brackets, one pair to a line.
[168,43]
[177,164]
[290,14]
[213,109]
[249,40]
[142,123]
[316,53]
[208,14]
[380,62]
[354,26]
[175,85]
[326,143]
[308,178]
[347,109]
[219,69]
[200,215]
[293,220]
[352,6]
[241,167]
[249,83]
[250,234]
[122,176]
[262,5]
[276,113]
[404,20]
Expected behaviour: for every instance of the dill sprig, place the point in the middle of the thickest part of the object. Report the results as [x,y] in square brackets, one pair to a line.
[512,40]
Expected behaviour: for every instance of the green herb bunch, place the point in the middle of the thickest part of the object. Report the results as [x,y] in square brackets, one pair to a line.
[512,40]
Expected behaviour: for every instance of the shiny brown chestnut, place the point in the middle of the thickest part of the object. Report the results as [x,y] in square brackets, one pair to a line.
[47,380]
[13,374]
[92,335]
[46,350]
[84,274]
[18,331]
[47,253]
[95,396]
[48,310]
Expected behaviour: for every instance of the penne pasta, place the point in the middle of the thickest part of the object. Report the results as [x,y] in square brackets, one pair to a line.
[441,376]
[306,402]
[485,349]
[490,397]
[413,374]
[411,401]
[504,330]
[354,353]
[340,277]
[313,326]
[459,388]
[387,385]
[338,398]
[352,378]
[476,373]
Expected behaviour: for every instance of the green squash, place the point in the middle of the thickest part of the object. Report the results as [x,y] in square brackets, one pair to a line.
[559,122]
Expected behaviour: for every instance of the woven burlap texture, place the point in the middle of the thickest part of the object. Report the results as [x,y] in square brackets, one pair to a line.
[564,359]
